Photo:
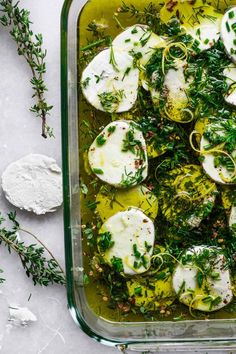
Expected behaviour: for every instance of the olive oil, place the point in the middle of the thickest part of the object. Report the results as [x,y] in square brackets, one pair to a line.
[103,14]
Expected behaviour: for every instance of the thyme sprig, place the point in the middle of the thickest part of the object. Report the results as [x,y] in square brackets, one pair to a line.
[41,270]
[30,47]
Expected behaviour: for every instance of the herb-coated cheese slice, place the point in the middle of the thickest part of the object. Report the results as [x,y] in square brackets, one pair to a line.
[206,34]
[228,32]
[109,82]
[126,241]
[33,183]
[139,41]
[177,101]
[118,155]
[199,19]
[202,281]
[230,74]
[213,168]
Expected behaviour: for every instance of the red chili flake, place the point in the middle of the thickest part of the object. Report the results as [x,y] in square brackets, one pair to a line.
[149,134]
[150,187]
[171,4]
[132,300]
[138,163]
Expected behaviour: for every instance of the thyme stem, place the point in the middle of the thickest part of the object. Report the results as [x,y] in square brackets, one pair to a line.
[44,246]
[92,45]
[43,271]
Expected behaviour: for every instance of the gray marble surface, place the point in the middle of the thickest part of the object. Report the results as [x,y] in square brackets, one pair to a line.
[54,331]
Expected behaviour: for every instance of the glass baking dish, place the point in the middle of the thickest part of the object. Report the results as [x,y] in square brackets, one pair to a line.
[135,336]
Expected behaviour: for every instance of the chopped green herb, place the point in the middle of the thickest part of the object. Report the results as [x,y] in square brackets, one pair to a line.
[234,26]
[231,14]
[130,143]
[127,71]
[105,241]
[117,264]
[83,188]
[92,205]
[99,77]
[85,279]
[98,171]
[137,254]
[147,246]
[113,59]
[101,140]
[200,278]
[111,100]
[227,26]
[138,291]
[111,129]
[85,83]
[134,30]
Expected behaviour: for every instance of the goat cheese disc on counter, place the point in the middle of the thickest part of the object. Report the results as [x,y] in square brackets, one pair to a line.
[202,281]
[110,82]
[33,183]
[118,155]
[228,32]
[126,241]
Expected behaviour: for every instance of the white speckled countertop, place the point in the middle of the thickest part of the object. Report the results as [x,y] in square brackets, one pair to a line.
[55,331]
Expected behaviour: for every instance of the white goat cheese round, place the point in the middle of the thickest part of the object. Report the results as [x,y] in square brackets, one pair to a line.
[228,32]
[139,39]
[118,155]
[207,288]
[218,173]
[206,34]
[230,74]
[232,219]
[110,82]
[132,237]
[33,183]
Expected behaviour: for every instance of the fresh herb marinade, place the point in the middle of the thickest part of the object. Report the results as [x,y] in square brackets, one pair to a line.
[173,150]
